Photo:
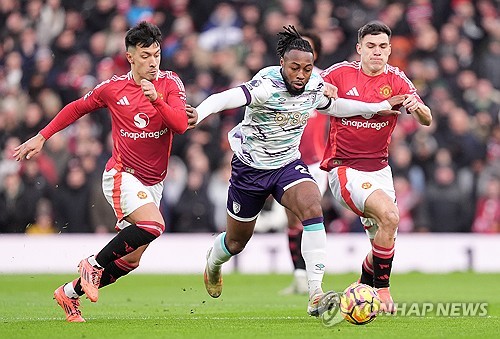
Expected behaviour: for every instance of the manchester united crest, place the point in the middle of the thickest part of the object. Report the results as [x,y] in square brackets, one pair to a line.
[142,195]
[160,95]
[386,91]
[366,185]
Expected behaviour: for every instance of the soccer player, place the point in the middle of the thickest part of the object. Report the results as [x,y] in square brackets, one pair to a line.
[312,146]
[356,155]
[279,101]
[147,108]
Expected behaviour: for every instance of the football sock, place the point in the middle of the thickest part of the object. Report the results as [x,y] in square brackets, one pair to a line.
[219,254]
[70,290]
[294,244]
[111,273]
[314,251]
[382,265]
[115,270]
[128,240]
[367,271]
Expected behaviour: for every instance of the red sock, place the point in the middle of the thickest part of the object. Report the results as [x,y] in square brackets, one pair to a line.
[366,272]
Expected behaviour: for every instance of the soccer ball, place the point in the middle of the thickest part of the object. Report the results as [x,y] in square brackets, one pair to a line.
[359,304]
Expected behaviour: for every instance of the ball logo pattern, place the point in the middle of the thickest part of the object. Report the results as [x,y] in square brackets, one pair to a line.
[359,304]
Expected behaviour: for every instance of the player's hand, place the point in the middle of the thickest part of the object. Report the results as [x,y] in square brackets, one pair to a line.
[149,90]
[29,148]
[410,102]
[387,112]
[192,116]
[330,91]
[396,100]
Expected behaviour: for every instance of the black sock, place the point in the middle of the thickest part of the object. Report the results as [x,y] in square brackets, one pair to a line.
[78,287]
[382,265]
[294,244]
[366,273]
[128,240]
[115,270]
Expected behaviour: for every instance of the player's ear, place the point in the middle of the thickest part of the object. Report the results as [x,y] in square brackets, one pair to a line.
[129,57]
[282,62]
[358,48]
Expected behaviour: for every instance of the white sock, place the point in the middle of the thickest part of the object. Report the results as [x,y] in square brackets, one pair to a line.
[314,252]
[69,290]
[93,262]
[219,254]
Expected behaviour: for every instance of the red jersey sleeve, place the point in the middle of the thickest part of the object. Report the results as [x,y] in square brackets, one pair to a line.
[172,107]
[72,112]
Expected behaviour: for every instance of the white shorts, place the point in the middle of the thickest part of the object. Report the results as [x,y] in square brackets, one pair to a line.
[320,176]
[351,188]
[125,193]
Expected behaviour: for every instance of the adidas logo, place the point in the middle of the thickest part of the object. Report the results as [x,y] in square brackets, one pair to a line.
[353,92]
[123,101]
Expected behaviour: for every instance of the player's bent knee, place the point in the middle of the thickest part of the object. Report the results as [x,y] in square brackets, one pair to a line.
[390,221]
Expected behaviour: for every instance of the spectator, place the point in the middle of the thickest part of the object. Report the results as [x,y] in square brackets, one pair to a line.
[487,218]
[72,200]
[444,203]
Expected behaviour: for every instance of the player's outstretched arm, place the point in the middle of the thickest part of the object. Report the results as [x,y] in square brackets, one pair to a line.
[420,111]
[29,148]
[344,108]
[229,99]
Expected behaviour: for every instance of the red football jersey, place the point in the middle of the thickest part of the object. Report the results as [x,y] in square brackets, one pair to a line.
[312,144]
[362,142]
[142,131]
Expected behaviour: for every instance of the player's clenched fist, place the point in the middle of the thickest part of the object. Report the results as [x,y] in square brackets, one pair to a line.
[410,103]
[149,90]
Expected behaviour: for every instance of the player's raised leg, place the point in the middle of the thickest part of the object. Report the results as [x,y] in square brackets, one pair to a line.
[243,207]
[380,207]
[226,244]
[145,225]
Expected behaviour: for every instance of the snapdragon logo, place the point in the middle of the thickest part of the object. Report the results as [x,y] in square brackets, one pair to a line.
[143,134]
[365,124]
[141,120]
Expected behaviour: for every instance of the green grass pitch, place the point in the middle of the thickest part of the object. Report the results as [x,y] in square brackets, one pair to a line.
[177,306]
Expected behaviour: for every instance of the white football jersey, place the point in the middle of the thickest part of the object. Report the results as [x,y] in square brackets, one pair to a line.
[270,133]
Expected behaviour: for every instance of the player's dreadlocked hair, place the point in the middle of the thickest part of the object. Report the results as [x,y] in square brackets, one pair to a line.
[291,39]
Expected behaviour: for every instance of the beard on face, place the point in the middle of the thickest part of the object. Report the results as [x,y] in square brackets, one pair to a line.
[290,88]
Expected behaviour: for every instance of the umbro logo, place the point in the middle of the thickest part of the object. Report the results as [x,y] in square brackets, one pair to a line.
[123,101]
[353,92]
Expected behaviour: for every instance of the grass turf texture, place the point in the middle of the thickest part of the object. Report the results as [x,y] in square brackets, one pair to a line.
[177,306]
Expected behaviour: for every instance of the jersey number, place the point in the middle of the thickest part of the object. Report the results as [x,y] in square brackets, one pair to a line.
[302,169]
[293,118]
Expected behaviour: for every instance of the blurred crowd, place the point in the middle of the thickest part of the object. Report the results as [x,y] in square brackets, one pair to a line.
[447,176]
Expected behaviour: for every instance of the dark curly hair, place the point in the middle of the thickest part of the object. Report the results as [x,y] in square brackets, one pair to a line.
[291,39]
